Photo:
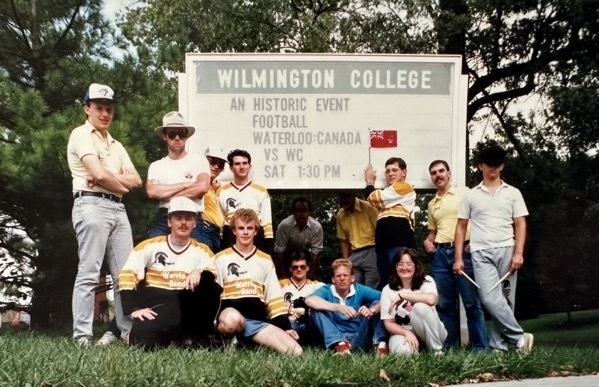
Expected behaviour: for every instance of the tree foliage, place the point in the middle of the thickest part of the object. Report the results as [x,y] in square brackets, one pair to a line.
[52,50]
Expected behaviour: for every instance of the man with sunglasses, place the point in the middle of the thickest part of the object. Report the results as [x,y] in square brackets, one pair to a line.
[295,289]
[178,174]
[299,231]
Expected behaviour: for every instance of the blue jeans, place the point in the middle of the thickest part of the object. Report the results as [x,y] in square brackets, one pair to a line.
[203,232]
[360,339]
[384,258]
[448,287]
[103,231]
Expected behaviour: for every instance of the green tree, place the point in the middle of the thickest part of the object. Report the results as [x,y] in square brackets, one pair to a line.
[52,50]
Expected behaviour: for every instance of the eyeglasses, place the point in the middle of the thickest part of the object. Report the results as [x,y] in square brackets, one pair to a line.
[298,267]
[214,161]
[174,133]
[405,264]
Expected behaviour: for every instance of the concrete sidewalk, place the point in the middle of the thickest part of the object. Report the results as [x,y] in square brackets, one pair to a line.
[567,381]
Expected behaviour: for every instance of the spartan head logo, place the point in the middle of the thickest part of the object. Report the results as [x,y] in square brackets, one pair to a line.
[288,297]
[233,269]
[232,203]
[160,258]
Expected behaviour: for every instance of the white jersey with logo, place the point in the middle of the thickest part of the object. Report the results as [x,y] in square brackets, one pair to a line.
[164,266]
[252,196]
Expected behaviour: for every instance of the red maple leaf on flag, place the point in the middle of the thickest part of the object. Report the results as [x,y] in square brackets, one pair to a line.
[383,138]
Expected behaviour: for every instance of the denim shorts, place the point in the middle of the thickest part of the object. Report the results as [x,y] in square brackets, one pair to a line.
[253,326]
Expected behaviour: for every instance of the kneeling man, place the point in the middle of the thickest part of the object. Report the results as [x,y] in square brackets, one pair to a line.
[179,296]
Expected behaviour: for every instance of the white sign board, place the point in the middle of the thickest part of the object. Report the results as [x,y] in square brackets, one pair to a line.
[316,121]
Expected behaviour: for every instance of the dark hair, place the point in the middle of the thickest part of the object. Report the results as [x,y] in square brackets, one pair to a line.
[419,273]
[300,199]
[396,160]
[238,152]
[299,255]
[438,162]
[493,156]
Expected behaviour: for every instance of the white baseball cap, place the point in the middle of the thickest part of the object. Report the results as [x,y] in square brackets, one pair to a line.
[98,91]
[182,204]
[174,120]
[217,152]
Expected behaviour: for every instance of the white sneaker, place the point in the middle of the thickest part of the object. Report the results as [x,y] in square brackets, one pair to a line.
[107,338]
[83,341]
[525,343]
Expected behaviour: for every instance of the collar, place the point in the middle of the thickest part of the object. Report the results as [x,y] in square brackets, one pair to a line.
[245,256]
[91,128]
[484,188]
[307,223]
[352,291]
[450,191]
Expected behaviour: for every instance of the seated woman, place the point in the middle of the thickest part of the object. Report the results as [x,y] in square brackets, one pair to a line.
[408,307]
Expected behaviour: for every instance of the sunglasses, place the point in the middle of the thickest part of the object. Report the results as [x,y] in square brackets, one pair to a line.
[298,267]
[174,133]
[219,163]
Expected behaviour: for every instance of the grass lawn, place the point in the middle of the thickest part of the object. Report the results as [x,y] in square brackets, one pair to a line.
[35,359]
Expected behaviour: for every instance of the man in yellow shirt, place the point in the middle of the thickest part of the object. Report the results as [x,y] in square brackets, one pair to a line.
[356,225]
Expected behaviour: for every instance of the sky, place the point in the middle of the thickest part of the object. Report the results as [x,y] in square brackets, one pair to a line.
[111,7]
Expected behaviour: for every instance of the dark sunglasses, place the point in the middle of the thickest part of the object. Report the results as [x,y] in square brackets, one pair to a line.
[298,267]
[174,133]
[219,163]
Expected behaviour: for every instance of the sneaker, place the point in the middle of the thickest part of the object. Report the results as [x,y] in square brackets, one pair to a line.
[83,341]
[382,350]
[438,353]
[525,343]
[107,338]
[343,348]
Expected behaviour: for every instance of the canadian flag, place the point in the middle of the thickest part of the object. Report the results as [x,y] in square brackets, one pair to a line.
[383,138]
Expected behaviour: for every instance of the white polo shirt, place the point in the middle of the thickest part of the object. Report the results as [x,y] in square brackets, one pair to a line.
[492,215]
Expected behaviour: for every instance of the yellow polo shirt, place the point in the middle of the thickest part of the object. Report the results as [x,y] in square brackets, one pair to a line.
[358,227]
[443,214]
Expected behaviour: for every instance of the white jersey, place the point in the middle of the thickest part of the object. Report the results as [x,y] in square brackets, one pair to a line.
[186,169]
[291,291]
[252,196]
[163,266]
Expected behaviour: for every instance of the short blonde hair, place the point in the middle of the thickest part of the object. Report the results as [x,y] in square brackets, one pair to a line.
[342,262]
[246,215]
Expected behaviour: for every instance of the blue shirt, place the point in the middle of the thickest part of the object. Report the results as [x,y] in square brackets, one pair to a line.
[359,295]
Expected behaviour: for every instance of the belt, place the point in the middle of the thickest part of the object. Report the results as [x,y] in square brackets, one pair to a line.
[448,245]
[112,197]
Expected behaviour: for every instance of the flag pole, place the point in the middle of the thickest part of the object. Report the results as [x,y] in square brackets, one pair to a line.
[369,147]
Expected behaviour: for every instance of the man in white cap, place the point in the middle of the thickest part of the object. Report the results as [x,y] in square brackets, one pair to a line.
[212,217]
[180,297]
[102,173]
[178,174]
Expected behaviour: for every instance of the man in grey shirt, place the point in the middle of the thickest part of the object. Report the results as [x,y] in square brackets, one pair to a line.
[299,231]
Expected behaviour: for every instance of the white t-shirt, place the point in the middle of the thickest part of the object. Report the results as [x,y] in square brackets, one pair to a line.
[404,309]
[186,169]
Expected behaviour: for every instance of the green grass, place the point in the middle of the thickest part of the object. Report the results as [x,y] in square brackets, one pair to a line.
[34,359]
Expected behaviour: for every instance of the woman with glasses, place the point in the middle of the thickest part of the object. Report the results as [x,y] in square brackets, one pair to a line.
[408,307]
